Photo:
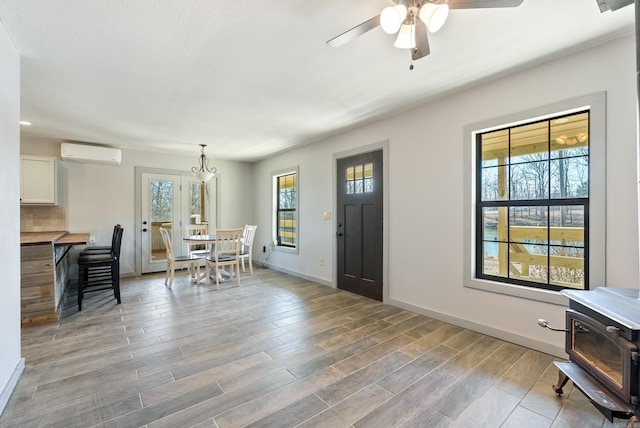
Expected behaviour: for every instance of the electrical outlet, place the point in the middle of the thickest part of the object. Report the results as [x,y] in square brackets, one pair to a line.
[92,240]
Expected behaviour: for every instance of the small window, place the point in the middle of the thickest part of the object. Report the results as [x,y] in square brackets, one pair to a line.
[286,209]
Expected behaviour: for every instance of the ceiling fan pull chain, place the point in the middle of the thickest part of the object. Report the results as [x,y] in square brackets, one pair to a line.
[413,36]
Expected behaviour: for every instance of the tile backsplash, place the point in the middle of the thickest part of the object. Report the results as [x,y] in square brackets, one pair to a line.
[42,219]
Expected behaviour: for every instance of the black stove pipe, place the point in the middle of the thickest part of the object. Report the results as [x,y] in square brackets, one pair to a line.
[637,25]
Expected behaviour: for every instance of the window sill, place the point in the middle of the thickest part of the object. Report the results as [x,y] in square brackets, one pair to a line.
[545,296]
[286,249]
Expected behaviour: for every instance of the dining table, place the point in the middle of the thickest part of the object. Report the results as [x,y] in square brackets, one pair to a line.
[208,241]
[200,239]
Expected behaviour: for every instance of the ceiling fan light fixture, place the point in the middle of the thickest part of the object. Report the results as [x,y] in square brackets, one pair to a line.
[434,15]
[406,37]
[392,17]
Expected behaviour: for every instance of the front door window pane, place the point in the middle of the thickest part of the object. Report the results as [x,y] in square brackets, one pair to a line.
[359,179]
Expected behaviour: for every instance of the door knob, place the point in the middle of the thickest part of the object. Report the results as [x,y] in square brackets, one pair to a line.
[339,234]
[144,230]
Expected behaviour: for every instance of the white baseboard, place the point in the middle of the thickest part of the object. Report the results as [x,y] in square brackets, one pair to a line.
[11,384]
[296,274]
[489,331]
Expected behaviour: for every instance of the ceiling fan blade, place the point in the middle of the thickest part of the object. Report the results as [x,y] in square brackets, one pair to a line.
[606,5]
[476,4]
[356,31]
[422,41]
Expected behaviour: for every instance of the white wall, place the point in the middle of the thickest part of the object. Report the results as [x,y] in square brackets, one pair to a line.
[315,235]
[11,363]
[99,196]
[425,168]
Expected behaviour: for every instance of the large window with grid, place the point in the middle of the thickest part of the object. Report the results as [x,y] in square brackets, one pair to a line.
[532,193]
[286,203]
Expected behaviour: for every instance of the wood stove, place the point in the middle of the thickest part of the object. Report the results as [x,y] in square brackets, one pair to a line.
[602,340]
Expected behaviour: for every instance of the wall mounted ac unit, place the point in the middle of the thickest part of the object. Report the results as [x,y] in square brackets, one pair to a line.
[90,153]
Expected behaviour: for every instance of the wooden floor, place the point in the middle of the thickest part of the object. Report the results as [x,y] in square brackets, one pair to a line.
[277,352]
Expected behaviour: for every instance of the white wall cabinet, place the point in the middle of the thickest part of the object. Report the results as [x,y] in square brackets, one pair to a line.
[38,180]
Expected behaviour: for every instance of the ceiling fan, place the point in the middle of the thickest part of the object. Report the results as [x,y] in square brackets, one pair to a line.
[412,18]
[612,5]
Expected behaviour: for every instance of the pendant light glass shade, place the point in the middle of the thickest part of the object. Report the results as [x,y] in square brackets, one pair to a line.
[406,37]
[203,176]
[392,17]
[434,15]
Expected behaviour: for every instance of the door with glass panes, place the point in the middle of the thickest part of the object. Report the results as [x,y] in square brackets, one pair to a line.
[172,201]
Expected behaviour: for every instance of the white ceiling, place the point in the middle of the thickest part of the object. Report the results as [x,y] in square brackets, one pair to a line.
[252,78]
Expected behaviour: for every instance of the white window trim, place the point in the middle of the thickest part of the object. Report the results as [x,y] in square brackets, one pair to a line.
[274,211]
[596,103]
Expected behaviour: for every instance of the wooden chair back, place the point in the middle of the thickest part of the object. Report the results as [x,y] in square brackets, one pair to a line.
[228,243]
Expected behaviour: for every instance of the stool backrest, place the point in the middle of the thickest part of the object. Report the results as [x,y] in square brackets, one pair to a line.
[115,247]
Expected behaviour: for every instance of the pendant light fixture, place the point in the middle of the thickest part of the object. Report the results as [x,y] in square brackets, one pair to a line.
[204,173]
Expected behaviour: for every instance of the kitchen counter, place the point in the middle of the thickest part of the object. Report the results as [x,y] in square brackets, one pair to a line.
[34,238]
[44,273]
[73,239]
[57,238]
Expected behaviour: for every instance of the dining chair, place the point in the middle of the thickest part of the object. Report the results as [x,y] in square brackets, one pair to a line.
[225,252]
[246,248]
[200,250]
[174,261]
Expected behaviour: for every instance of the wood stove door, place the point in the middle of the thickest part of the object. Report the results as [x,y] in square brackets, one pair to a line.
[602,353]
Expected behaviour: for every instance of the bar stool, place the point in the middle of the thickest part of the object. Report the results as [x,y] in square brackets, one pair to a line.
[100,271]
[102,249]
